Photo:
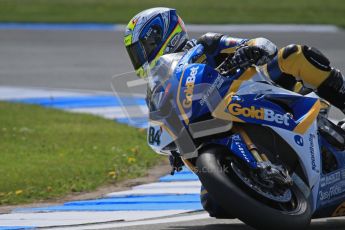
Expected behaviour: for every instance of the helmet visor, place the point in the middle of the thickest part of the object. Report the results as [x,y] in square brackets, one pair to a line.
[151,41]
[137,54]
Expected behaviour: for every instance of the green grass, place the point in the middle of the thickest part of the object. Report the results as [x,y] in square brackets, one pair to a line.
[193,11]
[47,153]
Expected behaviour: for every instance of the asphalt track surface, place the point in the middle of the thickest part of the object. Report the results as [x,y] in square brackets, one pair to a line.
[87,60]
[213,224]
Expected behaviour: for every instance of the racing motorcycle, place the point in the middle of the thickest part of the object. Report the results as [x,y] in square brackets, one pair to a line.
[266,155]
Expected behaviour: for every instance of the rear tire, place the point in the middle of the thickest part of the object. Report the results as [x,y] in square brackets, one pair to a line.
[234,198]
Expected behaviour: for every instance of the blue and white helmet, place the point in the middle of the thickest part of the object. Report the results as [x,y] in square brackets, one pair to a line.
[151,34]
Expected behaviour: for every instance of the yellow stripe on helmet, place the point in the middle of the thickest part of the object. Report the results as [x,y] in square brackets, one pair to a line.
[142,72]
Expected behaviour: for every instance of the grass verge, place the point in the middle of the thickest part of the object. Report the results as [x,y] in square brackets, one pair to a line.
[192,11]
[47,153]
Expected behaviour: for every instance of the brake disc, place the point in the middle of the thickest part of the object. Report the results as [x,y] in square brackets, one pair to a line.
[283,197]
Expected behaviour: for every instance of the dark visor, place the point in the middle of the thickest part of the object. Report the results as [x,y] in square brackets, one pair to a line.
[137,55]
[143,51]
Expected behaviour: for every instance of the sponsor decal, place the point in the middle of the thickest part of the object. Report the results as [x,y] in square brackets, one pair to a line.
[190,81]
[299,140]
[238,143]
[175,39]
[230,42]
[258,113]
[332,186]
[330,179]
[128,40]
[333,191]
[236,98]
[154,136]
[148,33]
[173,42]
[312,151]
[215,85]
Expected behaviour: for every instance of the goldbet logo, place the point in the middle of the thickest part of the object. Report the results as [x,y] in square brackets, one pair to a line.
[190,81]
[260,114]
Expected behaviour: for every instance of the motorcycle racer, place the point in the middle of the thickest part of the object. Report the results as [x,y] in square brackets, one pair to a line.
[159,31]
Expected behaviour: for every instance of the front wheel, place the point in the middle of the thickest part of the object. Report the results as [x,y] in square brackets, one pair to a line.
[219,178]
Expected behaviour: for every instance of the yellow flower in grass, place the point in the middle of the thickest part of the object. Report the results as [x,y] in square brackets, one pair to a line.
[112,174]
[131,160]
[19,192]
[135,150]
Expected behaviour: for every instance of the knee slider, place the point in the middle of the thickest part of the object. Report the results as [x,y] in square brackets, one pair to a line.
[210,41]
[335,81]
[316,58]
[333,89]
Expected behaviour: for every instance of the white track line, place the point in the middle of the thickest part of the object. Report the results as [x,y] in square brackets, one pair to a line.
[114,111]
[8,93]
[141,223]
[164,185]
[156,191]
[18,92]
[51,219]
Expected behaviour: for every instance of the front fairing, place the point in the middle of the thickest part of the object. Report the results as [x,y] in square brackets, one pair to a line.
[196,92]
[247,97]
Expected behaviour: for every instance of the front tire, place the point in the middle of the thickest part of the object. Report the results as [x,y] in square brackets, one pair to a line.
[234,198]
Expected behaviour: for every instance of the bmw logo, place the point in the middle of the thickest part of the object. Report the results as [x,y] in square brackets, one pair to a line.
[299,140]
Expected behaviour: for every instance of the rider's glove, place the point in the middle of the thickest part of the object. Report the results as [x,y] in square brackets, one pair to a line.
[175,162]
[190,44]
[246,56]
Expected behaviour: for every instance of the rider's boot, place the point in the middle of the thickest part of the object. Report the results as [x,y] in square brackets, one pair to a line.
[333,89]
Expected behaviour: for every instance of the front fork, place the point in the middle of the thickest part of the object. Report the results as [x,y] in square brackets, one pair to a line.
[250,145]
[267,170]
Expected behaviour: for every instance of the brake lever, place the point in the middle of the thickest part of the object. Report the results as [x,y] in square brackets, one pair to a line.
[227,67]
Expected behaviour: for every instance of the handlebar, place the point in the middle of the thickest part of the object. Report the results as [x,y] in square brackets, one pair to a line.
[230,64]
